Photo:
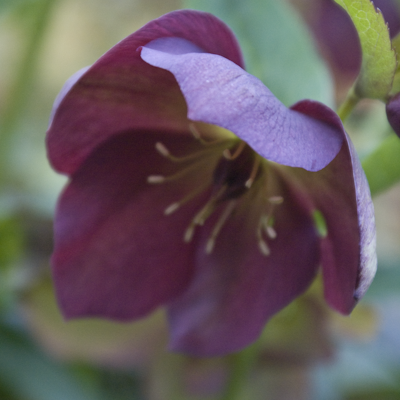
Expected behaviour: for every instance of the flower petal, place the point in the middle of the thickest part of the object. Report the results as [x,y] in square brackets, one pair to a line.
[341,193]
[236,288]
[121,92]
[219,92]
[393,113]
[116,254]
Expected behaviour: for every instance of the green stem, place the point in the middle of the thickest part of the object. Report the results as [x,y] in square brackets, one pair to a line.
[20,90]
[241,365]
[348,105]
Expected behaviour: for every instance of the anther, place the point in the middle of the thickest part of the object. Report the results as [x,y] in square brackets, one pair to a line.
[177,204]
[253,173]
[271,232]
[162,150]
[194,131]
[171,208]
[275,200]
[219,225]
[155,179]
[229,156]
[188,236]
[264,247]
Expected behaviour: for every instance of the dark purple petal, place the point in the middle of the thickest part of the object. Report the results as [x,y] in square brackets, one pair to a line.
[340,191]
[116,254]
[393,113]
[121,92]
[236,288]
[65,89]
[219,92]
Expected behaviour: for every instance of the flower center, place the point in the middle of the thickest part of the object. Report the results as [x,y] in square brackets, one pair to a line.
[238,170]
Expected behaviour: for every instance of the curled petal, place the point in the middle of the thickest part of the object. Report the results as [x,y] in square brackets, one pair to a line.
[219,92]
[121,92]
[340,191]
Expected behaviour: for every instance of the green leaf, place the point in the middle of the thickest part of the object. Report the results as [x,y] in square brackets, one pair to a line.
[277,47]
[28,374]
[382,167]
[378,58]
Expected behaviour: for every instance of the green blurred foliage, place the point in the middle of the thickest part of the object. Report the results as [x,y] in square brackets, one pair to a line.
[382,167]
[277,47]
[378,57]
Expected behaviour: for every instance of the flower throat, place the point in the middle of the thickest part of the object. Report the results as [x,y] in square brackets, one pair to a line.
[238,170]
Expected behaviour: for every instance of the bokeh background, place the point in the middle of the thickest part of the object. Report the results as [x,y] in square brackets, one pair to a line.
[306,352]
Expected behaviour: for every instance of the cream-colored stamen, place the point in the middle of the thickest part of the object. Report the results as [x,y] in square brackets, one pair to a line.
[203,214]
[195,132]
[161,148]
[218,226]
[172,208]
[199,219]
[271,232]
[264,247]
[197,135]
[155,179]
[229,156]
[253,173]
[275,200]
[176,205]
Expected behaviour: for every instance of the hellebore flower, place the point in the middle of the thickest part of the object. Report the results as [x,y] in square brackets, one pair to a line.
[193,187]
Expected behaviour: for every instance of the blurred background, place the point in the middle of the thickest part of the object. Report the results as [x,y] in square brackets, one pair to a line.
[300,49]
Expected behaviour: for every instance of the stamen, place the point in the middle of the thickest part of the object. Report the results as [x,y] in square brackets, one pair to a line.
[176,205]
[162,149]
[227,154]
[188,236]
[218,226]
[261,242]
[199,219]
[197,135]
[275,200]
[155,179]
[195,132]
[202,215]
[253,173]
[264,247]
[172,208]
[271,232]
[267,222]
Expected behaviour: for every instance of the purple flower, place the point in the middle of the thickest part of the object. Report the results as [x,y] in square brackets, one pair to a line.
[172,201]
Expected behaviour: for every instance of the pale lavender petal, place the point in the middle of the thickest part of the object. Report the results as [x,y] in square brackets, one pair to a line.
[219,92]
[236,288]
[120,91]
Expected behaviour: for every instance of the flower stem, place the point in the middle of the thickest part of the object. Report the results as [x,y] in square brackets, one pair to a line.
[348,105]
[241,365]
[19,92]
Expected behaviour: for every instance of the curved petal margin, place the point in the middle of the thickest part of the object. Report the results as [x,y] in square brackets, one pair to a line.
[219,92]
[341,192]
[121,92]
